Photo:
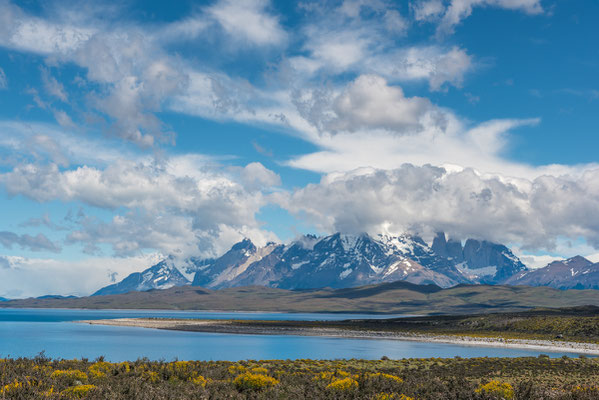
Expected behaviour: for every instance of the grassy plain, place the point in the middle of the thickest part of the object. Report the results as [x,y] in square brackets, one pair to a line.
[386,298]
[475,378]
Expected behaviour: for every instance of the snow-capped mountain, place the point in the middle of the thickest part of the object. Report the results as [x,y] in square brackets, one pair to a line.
[336,261]
[163,275]
[339,261]
[573,273]
[479,261]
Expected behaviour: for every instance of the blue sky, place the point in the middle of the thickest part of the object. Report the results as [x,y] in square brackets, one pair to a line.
[132,130]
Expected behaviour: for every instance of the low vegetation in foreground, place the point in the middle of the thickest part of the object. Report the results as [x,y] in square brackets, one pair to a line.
[434,378]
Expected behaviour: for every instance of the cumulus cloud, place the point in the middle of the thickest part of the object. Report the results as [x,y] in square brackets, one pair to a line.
[370,123]
[179,206]
[343,39]
[137,77]
[367,103]
[256,175]
[248,21]
[457,10]
[462,203]
[426,10]
[439,66]
[33,243]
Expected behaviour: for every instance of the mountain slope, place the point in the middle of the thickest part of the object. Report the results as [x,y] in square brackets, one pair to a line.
[573,273]
[479,261]
[336,261]
[339,261]
[163,275]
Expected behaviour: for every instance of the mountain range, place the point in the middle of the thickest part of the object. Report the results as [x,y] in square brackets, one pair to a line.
[336,261]
[573,273]
[163,275]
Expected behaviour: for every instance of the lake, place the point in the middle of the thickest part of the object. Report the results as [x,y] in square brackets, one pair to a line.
[27,332]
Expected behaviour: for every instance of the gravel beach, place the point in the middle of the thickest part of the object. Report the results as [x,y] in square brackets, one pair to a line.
[231,327]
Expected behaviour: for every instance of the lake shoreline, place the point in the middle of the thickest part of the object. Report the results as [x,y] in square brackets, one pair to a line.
[231,327]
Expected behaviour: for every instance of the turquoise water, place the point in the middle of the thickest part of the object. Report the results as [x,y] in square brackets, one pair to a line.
[27,332]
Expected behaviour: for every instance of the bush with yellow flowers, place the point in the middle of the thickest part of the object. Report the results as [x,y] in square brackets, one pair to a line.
[69,376]
[496,388]
[252,381]
[77,392]
[391,396]
[343,385]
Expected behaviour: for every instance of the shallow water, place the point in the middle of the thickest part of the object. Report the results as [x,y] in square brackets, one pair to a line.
[27,332]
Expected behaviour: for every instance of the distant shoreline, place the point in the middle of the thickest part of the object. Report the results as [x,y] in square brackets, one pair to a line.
[232,327]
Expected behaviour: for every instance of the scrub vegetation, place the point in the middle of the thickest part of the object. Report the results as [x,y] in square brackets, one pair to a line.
[406,379]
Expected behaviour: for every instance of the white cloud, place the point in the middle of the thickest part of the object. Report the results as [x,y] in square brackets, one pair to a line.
[28,141]
[342,40]
[32,277]
[27,33]
[458,10]
[52,86]
[248,21]
[427,10]
[178,206]
[134,74]
[137,78]
[367,103]
[3,80]
[439,66]
[376,125]
[534,213]
[38,242]
[256,175]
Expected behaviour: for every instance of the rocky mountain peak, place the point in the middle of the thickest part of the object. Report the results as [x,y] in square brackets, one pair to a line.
[346,260]
[245,245]
[577,262]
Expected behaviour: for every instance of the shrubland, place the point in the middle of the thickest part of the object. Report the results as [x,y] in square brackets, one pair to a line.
[405,379]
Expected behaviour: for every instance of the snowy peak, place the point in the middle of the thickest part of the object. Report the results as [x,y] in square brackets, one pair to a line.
[479,261]
[163,275]
[573,273]
[577,262]
[337,261]
[232,264]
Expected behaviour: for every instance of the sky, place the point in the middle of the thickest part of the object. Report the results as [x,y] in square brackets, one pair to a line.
[133,130]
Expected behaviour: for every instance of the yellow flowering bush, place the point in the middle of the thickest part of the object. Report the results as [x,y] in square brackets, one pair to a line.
[344,384]
[199,380]
[100,369]
[381,375]
[585,390]
[260,370]
[497,388]
[69,375]
[77,392]
[323,376]
[150,376]
[254,381]
[11,388]
[391,396]
[49,392]
[237,369]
